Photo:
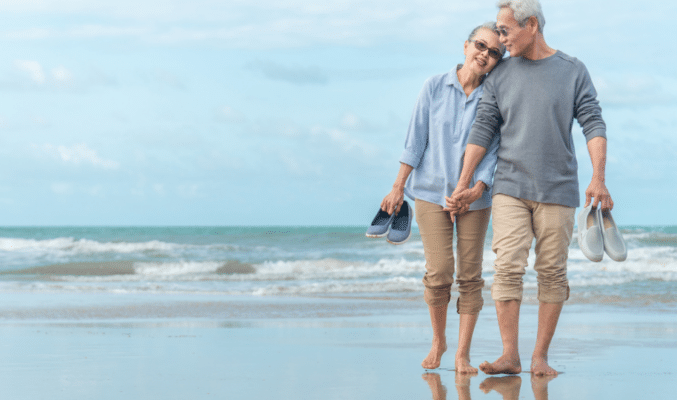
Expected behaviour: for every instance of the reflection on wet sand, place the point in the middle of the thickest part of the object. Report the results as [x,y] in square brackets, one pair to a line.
[507,386]
[539,384]
[438,390]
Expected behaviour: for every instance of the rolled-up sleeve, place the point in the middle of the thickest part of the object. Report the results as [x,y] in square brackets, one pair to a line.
[417,135]
[586,107]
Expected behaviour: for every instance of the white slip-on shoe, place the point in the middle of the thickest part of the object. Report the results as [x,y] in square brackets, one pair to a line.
[590,234]
[614,245]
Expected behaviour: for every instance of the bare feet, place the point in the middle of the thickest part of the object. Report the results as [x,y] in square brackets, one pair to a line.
[504,365]
[462,365]
[540,367]
[438,390]
[507,386]
[435,356]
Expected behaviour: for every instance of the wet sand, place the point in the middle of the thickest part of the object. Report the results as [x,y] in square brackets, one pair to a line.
[110,347]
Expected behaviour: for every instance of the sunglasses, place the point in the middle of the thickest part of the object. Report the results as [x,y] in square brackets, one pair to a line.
[493,52]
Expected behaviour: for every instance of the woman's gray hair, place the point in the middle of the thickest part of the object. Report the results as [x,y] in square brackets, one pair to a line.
[490,26]
[523,9]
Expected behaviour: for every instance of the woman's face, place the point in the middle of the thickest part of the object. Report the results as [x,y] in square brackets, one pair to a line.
[480,61]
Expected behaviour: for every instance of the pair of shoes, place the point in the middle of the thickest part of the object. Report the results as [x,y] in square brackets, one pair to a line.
[396,226]
[598,233]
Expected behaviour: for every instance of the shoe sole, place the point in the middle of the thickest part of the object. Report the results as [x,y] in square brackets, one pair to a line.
[376,236]
[402,242]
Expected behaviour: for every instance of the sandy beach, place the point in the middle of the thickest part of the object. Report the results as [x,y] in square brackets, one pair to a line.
[169,347]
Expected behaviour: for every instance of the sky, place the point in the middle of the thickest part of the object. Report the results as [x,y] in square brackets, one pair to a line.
[262,112]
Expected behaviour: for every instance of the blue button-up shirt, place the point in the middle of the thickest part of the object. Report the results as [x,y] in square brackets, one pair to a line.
[436,140]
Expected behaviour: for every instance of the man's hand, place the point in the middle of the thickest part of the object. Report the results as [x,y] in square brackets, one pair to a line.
[461,198]
[599,195]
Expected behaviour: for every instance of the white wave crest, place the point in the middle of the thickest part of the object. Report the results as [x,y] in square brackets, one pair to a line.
[165,269]
[83,246]
[329,268]
[392,285]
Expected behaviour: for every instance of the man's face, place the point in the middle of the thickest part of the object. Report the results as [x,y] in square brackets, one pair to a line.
[516,39]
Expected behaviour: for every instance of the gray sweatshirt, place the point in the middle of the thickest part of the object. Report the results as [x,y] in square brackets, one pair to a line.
[531,104]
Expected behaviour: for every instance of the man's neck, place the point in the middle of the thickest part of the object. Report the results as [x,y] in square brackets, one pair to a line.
[539,49]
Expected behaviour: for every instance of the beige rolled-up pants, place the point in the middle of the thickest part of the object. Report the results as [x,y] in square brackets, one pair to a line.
[515,223]
[437,234]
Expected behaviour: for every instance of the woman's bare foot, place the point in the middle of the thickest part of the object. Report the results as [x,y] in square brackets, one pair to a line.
[540,367]
[505,364]
[462,365]
[435,356]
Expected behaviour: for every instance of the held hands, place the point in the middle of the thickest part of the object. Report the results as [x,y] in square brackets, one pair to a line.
[461,198]
[393,201]
[597,190]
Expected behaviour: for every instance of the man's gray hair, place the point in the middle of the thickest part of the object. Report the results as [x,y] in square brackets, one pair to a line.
[523,9]
[490,26]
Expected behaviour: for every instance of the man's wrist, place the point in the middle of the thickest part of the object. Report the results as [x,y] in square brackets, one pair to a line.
[597,178]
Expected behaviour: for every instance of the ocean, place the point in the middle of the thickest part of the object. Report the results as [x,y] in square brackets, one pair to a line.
[292,261]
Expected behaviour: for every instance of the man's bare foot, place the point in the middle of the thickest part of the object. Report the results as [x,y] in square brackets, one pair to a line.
[507,386]
[504,365]
[435,356]
[462,365]
[540,367]
[437,389]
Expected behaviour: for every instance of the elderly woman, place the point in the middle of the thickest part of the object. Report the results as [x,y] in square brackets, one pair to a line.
[430,167]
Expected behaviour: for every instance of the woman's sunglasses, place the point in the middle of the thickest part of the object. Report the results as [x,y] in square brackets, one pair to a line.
[493,52]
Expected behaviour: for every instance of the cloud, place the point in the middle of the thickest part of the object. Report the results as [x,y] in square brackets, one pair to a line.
[62,76]
[341,140]
[33,69]
[353,122]
[631,89]
[36,74]
[229,114]
[61,188]
[297,75]
[79,154]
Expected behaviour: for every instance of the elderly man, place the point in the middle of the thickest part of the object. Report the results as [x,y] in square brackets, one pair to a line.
[530,100]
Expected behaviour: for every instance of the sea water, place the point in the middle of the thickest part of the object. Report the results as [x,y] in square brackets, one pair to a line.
[291,261]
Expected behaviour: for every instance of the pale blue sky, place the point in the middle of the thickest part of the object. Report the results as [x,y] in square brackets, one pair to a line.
[284,112]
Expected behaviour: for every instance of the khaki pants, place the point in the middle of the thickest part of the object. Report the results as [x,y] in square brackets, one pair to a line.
[437,234]
[516,223]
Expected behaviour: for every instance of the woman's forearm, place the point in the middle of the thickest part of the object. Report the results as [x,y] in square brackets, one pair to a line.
[402,176]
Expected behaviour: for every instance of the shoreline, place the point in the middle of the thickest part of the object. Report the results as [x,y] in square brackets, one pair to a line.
[329,348]
[601,352]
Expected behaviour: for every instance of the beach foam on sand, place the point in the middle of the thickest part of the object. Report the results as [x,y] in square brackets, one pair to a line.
[180,347]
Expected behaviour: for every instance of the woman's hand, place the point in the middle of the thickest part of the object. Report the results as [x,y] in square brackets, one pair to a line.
[460,200]
[394,200]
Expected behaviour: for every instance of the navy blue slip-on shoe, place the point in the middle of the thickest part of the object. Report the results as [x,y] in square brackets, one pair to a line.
[400,230]
[379,226]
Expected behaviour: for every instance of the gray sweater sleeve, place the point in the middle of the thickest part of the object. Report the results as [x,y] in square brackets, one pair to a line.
[586,107]
[488,118]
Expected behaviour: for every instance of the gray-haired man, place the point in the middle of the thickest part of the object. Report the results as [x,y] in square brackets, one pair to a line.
[530,100]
